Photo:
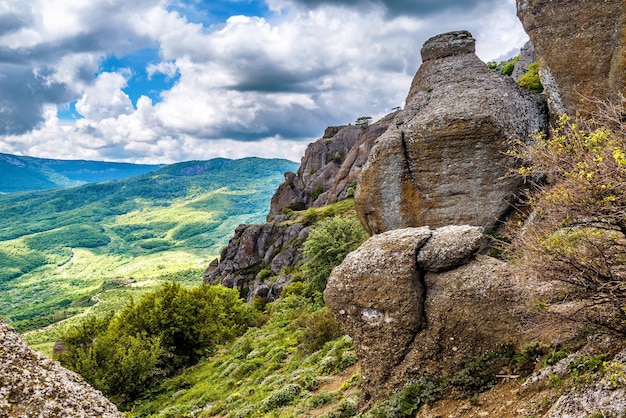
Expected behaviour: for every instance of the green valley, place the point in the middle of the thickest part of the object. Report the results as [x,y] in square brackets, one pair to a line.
[89,248]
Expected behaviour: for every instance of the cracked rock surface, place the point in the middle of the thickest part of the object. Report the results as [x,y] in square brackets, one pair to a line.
[414,304]
[443,159]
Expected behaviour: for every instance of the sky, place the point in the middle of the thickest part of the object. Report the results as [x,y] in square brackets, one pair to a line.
[162,81]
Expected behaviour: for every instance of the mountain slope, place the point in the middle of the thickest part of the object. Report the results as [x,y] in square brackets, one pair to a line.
[58,247]
[29,173]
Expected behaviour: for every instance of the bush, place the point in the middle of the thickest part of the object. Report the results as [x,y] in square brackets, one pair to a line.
[327,245]
[530,80]
[317,329]
[578,232]
[165,331]
[316,191]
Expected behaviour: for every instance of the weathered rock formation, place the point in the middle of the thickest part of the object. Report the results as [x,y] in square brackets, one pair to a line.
[328,168]
[527,56]
[581,49]
[258,252]
[443,160]
[418,302]
[32,385]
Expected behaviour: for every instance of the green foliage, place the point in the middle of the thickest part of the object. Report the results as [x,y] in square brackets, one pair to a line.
[504,67]
[316,191]
[264,373]
[407,401]
[316,329]
[351,189]
[530,79]
[507,68]
[578,236]
[327,245]
[165,331]
[478,375]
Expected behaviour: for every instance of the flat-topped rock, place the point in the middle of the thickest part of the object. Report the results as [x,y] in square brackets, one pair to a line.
[448,44]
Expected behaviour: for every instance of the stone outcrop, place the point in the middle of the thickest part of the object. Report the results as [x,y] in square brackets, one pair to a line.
[527,56]
[258,252]
[328,168]
[581,50]
[443,159]
[32,385]
[415,305]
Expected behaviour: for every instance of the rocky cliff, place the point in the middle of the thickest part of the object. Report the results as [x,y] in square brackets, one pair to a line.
[328,173]
[32,385]
[329,168]
[443,160]
[581,50]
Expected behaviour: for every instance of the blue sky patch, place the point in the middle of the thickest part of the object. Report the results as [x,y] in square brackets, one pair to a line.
[211,12]
[139,83]
[68,112]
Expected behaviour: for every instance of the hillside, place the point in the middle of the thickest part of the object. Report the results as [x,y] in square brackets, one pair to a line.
[20,174]
[66,243]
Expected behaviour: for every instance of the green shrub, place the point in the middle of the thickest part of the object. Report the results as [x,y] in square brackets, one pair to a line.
[578,237]
[327,245]
[316,191]
[281,397]
[320,399]
[165,331]
[316,329]
[530,80]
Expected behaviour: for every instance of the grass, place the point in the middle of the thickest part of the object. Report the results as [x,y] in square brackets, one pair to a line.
[264,373]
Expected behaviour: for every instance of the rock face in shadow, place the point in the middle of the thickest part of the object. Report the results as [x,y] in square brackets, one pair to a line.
[32,385]
[443,159]
[581,50]
[416,305]
[257,251]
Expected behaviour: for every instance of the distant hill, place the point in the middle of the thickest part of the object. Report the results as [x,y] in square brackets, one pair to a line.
[18,174]
[60,246]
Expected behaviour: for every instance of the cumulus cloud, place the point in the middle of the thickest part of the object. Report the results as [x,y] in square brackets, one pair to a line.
[250,85]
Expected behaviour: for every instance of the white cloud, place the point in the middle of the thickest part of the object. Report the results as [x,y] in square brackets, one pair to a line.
[250,86]
[105,99]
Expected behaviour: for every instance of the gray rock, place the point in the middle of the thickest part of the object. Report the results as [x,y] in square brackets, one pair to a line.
[376,295]
[32,385]
[527,56]
[443,161]
[581,50]
[406,322]
[449,247]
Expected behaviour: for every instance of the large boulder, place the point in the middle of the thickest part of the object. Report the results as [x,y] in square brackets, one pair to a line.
[581,50]
[408,317]
[32,385]
[443,160]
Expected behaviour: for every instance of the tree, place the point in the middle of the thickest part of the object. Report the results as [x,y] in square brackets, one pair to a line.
[363,121]
[167,330]
[577,233]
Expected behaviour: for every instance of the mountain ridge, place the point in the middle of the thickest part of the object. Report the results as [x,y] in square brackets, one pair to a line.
[25,173]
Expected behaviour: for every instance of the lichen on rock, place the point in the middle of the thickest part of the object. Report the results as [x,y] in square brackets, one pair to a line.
[32,385]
